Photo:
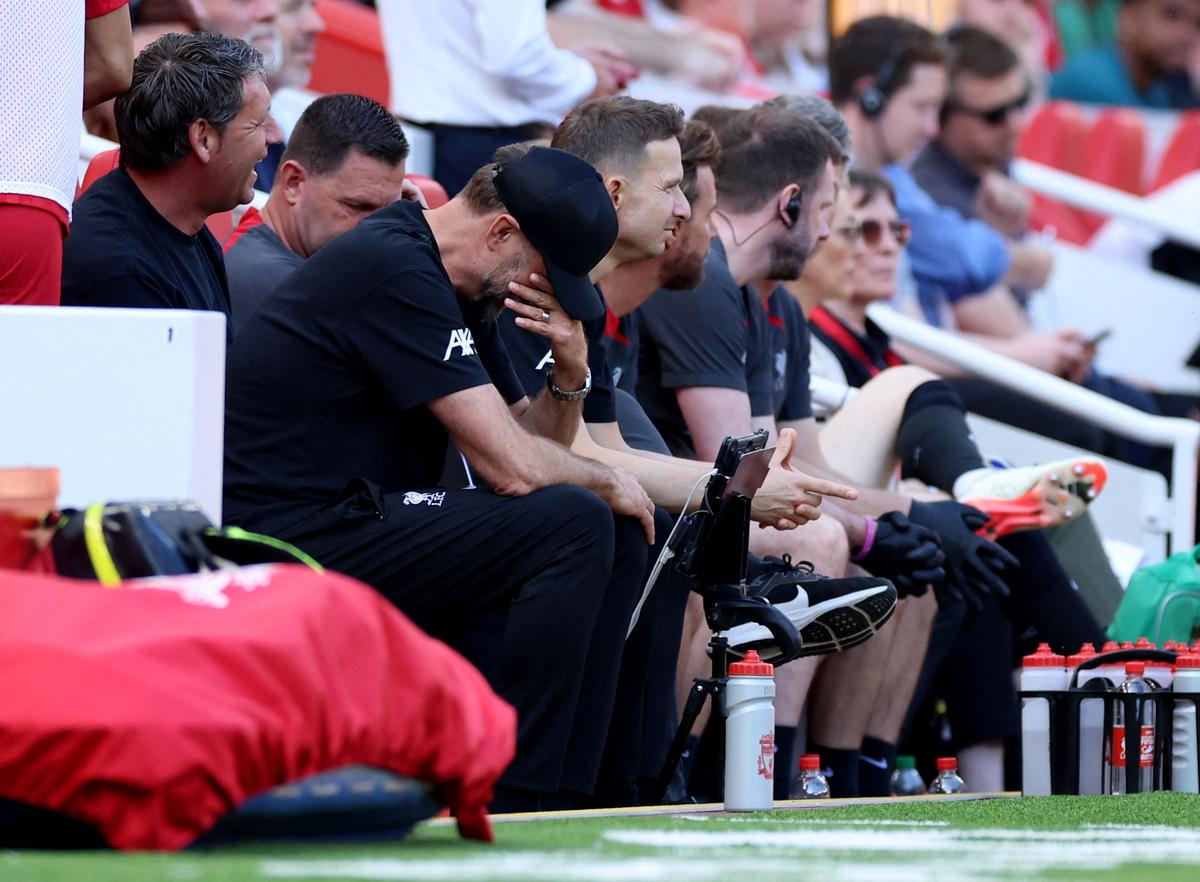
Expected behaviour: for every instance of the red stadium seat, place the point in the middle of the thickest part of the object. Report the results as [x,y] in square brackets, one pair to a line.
[1116,150]
[1183,151]
[435,194]
[1054,136]
[1065,221]
[102,163]
[221,225]
[349,54]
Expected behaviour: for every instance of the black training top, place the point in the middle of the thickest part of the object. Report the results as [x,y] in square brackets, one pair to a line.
[122,252]
[531,359]
[621,349]
[328,380]
[710,336]
[862,356]
[788,338]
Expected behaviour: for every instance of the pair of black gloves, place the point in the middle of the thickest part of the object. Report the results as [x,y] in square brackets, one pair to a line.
[937,544]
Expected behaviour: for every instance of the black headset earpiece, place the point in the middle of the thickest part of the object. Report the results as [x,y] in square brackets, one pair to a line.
[792,209]
[873,99]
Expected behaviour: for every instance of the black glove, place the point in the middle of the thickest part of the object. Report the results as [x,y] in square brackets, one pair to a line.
[974,565]
[906,553]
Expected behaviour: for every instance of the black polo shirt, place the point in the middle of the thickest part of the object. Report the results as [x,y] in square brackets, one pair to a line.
[531,359]
[788,338]
[328,380]
[122,252]
[621,349]
[710,336]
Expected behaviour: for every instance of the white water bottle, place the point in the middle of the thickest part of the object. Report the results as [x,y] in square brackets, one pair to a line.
[1091,726]
[750,735]
[1044,671]
[1135,684]
[1185,764]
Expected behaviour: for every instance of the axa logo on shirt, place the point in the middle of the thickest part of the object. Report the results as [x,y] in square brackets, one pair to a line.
[547,360]
[461,340]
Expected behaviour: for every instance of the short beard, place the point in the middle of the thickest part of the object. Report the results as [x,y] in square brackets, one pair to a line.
[788,256]
[494,289]
[684,273]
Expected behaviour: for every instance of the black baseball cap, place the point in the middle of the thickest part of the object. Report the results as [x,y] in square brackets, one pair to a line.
[566,214]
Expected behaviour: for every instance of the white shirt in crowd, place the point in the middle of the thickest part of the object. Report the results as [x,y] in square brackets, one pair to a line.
[41,100]
[479,63]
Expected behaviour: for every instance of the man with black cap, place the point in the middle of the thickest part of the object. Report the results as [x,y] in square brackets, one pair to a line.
[346,388]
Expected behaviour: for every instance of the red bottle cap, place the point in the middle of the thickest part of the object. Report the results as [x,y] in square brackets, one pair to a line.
[947,764]
[1045,657]
[1170,646]
[1144,643]
[1135,669]
[751,666]
[1110,646]
[1188,660]
[1086,652]
[810,762]
[1127,644]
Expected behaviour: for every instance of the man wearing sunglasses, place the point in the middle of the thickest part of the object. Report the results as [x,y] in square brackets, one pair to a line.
[966,167]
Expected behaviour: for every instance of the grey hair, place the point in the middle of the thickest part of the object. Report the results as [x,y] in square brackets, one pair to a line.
[177,80]
[824,114]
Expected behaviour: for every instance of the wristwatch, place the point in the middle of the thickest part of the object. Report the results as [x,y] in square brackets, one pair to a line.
[577,395]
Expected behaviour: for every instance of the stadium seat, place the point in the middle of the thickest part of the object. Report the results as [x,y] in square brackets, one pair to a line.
[349,54]
[220,225]
[1055,136]
[1049,214]
[1183,151]
[1115,151]
[435,194]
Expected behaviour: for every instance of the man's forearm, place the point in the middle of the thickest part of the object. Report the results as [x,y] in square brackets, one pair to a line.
[667,480]
[871,501]
[551,418]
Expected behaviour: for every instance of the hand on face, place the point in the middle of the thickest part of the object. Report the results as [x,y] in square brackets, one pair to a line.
[539,312]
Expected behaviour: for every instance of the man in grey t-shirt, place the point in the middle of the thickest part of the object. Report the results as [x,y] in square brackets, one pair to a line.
[344,161]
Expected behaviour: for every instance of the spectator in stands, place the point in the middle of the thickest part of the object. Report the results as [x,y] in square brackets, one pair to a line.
[349,381]
[483,73]
[255,21]
[345,161]
[1019,24]
[653,38]
[967,166]
[888,78]
[192,125]
[299,26]
[1147,66]
[51,65]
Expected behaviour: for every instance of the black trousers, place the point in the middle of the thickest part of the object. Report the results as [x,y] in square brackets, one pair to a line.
[459,151]
[448,557]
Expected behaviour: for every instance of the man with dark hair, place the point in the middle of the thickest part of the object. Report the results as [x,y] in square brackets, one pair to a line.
[345,160]
[192,125]
[345,388]
[966,166]
[1152,63]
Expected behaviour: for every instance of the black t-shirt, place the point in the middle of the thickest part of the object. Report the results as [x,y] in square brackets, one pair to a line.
[711,336]
[621,349]
[531,359]
[861,356]
[328,380]
[787,331]
[122,252]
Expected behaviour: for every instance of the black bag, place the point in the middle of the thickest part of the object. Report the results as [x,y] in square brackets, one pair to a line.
[114,541]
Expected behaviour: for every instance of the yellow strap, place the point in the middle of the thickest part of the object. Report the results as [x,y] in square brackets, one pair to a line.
[93,537]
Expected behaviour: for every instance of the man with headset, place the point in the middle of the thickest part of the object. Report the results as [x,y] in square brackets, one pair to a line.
[888,78]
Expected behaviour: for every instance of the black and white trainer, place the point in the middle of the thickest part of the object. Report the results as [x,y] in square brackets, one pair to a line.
[830,614]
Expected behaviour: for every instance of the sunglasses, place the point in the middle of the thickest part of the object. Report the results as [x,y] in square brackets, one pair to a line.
[993,116]
[871,231]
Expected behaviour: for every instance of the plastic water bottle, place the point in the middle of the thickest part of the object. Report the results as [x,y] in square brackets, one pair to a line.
[947,780]
[906,780]
[1185,764]
[1044,671]
[812,780]
[1135,684]
[750,735]
[1091,726]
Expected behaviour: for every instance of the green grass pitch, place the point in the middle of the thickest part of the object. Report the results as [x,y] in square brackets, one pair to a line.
[1148,838]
